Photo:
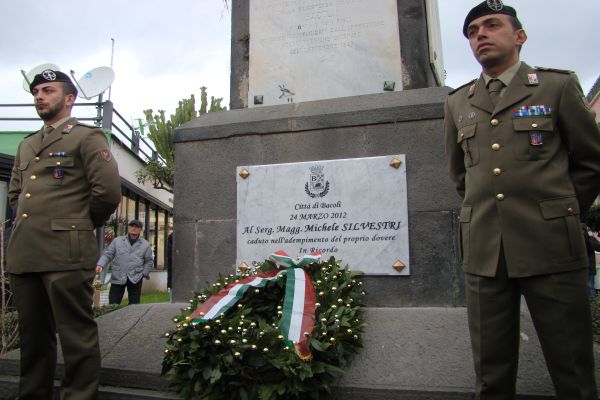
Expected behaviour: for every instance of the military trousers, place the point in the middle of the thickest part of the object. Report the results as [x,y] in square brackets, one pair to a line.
[49,303]
[559,307]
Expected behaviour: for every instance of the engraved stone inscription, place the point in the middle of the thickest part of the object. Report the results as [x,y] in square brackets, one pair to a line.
[305,50]
[353,209]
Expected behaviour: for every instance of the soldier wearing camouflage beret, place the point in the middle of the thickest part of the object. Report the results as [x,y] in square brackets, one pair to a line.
[523,149]
[64,184]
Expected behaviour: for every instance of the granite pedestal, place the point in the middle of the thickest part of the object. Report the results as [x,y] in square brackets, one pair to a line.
[210,148]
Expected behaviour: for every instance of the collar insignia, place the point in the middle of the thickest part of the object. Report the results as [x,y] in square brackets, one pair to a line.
[471,90]
[533,79]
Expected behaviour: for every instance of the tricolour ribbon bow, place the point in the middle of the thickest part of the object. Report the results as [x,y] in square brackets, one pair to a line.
[298,319]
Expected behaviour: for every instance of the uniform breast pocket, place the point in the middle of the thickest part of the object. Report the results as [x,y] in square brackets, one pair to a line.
[58,170]
[562,228]
[74,238]
[466,139]
[534,136]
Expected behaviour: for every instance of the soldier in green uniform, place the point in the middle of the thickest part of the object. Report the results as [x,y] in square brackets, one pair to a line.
[64,184]
[523,149]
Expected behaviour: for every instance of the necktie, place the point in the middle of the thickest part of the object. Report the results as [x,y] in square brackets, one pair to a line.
[47,131]
[494,88]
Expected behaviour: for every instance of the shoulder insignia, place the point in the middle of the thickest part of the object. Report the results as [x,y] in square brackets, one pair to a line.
[67,128]
[460,87]
[105,155]
[560,71]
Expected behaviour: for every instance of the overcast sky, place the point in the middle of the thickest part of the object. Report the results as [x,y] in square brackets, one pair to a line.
[166,50]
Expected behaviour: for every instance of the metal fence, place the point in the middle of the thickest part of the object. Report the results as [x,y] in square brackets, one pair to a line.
[108,118]
[9,336]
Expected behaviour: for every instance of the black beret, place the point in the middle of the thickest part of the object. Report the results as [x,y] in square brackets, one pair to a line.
[49,75]
[136,222]
[486,8]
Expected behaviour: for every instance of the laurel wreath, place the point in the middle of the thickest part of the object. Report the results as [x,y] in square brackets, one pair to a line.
[321,194]
[242,355]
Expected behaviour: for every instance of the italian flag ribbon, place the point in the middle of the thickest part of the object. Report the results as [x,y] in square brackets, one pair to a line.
[298,319]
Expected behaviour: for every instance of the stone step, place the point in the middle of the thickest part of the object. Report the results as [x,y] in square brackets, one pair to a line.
[409,354]
[9,386]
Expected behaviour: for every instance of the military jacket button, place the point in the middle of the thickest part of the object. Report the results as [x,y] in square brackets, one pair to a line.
[494,122]
[534,125]
[58,163]
[497,171]
[500,196]
[73,227]
[37,159]
[570,210]
[495,147]
[25,216]
[27,195]
[33,177]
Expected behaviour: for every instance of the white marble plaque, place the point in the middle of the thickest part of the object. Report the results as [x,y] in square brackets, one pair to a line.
[302,50]
[353,209]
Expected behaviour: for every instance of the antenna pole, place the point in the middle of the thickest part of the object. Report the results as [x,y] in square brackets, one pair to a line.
[112,56]
[79,87]
[25,76]
[99,107]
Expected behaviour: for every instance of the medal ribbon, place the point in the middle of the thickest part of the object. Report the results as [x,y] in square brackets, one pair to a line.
[298,304]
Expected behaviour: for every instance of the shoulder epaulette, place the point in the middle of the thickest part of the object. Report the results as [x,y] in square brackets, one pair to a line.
[560,71]
[31,134]
[87,126]
[460,87]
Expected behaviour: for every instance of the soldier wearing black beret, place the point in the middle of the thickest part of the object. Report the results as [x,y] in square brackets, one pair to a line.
[523,150]
[48,76]
[64,183]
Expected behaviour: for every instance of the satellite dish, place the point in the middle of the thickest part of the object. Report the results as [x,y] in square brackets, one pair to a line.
[95,82]
[28,77]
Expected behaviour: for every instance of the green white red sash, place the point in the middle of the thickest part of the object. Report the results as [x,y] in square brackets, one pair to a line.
[298,318]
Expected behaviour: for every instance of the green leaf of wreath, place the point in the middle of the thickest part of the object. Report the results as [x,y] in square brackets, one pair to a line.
[241,356]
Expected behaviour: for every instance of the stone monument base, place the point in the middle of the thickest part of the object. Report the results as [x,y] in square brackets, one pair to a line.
[409,353]
[211,148]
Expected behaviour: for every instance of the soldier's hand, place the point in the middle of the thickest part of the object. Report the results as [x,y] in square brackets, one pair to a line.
[98,269]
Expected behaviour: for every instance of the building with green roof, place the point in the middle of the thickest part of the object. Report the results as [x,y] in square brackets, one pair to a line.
[9,142]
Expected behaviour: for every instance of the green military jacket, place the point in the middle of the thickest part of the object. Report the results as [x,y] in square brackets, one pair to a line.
[60,188]
[526,174]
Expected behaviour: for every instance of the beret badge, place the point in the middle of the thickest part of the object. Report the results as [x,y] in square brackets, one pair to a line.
[49,75]
[495,5]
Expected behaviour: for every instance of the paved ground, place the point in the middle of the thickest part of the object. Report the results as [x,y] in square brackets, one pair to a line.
[409,353]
